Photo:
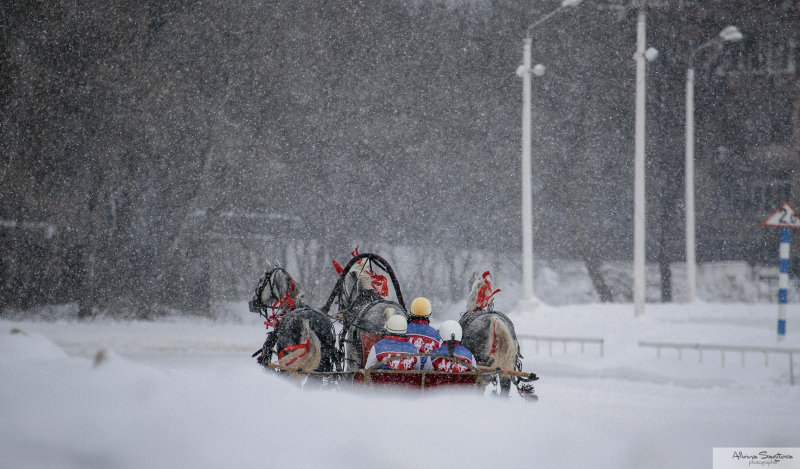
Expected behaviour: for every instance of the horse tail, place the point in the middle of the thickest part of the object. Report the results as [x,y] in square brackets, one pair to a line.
[501,348]
[307,354]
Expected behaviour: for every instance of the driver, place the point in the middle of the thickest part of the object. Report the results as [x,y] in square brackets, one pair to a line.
[425,338]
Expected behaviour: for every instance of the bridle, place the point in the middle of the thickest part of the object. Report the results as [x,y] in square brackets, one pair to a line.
[281,305]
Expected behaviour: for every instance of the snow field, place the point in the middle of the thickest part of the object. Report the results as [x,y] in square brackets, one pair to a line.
[185,393]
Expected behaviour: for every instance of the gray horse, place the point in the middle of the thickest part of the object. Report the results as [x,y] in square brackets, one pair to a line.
[489,334]
[300,336]
[364,304]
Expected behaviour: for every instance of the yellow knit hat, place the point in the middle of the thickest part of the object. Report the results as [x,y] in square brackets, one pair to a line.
[421,307]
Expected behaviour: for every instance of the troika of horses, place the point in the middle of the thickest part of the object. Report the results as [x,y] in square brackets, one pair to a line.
[371,338]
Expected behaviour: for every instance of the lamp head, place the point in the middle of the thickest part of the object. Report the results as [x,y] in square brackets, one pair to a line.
[570,3]
[731,33]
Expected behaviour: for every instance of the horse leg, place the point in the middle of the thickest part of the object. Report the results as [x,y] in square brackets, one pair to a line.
[266,349]
[342,353]
[352,350]
[505,386]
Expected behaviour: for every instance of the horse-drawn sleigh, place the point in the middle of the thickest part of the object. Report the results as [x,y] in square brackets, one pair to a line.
[330,348]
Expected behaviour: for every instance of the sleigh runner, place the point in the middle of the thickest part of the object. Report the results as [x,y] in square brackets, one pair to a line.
[476,376]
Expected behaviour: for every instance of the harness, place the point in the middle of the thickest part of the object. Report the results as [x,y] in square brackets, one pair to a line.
[485,293]
[274,316]
[280,307]
[470,316]
[378,282]
[275,342]
[361,308]
[305,345]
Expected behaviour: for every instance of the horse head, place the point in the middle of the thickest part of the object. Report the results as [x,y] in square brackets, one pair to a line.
[361,274]
[481,293]
[276,290]
[361,278]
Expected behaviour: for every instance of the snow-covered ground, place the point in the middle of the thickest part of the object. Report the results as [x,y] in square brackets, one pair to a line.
[185,393]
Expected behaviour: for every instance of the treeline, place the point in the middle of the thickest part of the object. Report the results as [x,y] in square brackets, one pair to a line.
[155,138]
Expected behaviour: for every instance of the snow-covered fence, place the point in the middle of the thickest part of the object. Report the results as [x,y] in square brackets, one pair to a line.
[741,349]
[48,229]
[563,341]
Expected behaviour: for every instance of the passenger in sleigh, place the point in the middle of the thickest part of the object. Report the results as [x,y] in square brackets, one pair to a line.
[394,342]
[451,347]
[425,338]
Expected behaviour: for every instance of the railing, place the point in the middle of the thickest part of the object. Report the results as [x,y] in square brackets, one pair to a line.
[564,341]
[726,348]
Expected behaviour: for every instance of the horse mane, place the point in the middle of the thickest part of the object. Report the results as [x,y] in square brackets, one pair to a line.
[361,274]
[477,284]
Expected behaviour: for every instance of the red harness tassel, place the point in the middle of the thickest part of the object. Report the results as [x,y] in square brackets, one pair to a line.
[485,293]
[379,283]
[339,268]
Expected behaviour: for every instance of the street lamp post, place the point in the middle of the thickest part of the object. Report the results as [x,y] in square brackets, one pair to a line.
[641,56]
[524,71]
[731,33]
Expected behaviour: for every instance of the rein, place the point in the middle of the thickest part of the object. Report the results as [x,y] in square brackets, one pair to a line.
[494,339]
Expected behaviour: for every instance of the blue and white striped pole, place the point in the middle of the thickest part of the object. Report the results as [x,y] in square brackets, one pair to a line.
[783,282]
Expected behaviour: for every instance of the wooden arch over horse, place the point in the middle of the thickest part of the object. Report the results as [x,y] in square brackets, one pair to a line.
[373,259]
[363,308]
